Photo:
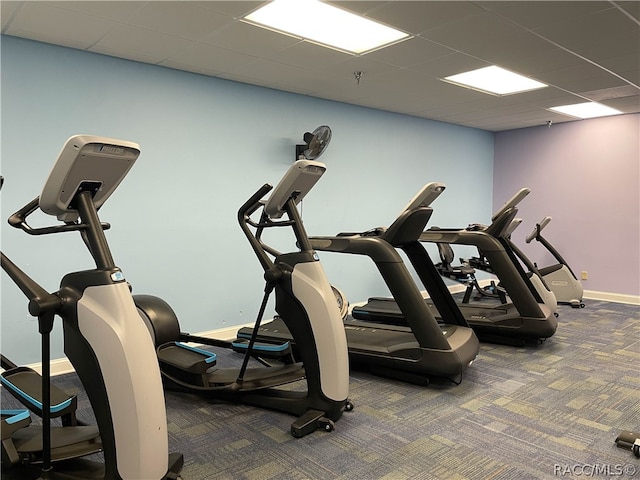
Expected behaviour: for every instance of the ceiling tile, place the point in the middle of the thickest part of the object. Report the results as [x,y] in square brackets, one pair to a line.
[117,11]
[503,50]
[548,59]
[577,35]
[449,65]
[611,93]
[235,9]
[618,45]
[308,55]
[207,59]
[465,33]
[580,78]
[549,97]
[7,11]
[358,6]
[417,17]
[536,14]
[626,104]
[250,39]
[268,72]
[631,8]
[178,19]
[366,64]
[50,24]
[137,43]
[410,52]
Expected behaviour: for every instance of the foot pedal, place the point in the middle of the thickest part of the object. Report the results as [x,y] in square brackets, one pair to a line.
[186,358]
[266,350]
[310,422]
[12,421]
[25,384]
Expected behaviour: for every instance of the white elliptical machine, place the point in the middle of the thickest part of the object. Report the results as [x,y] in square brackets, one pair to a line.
[304,301]
[105,339]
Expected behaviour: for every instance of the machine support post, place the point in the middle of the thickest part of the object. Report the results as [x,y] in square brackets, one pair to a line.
[95,234]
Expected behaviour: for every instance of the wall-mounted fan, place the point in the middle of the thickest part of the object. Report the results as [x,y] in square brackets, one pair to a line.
[314,143]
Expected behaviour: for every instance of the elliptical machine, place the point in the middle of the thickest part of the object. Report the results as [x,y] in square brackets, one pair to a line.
[559,277]
[304,300]
[104,338]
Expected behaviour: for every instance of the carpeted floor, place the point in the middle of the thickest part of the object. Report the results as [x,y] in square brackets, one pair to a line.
[549,411]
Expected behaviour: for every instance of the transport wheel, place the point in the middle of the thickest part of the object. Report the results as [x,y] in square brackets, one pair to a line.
[327,424]
[348,406]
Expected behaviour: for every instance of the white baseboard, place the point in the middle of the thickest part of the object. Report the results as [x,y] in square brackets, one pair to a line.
[59,366]
[612,297]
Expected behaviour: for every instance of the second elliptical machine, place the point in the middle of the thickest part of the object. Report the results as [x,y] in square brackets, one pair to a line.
[303,299]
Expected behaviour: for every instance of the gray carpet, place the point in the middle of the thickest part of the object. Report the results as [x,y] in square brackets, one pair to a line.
[520,413]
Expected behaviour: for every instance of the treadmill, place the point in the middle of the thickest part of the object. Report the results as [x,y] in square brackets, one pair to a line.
[529,317]
[421,350]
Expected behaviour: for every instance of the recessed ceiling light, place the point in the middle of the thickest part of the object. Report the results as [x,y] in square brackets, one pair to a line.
[495,80]
[326,25]
[586,110]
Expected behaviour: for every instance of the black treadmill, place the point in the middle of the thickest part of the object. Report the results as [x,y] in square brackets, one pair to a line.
[529,317]
[421,350]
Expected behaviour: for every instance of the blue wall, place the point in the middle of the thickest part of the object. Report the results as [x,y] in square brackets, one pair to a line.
[207,145]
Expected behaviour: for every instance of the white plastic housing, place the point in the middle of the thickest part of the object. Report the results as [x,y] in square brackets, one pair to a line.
[299,179]
[109,321]
[86,158]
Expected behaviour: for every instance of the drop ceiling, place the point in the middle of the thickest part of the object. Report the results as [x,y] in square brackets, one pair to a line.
[584,50]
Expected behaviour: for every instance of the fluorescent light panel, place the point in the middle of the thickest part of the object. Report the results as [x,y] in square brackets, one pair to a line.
[324,24]
[495,80]
[586,110]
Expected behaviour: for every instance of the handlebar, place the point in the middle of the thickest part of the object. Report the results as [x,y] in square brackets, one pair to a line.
[18,220]
[245,211]
[538,228]
[251,205]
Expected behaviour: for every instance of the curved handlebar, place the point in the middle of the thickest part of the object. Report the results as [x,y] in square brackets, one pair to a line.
[18,220]
[537,229]
[253,203]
